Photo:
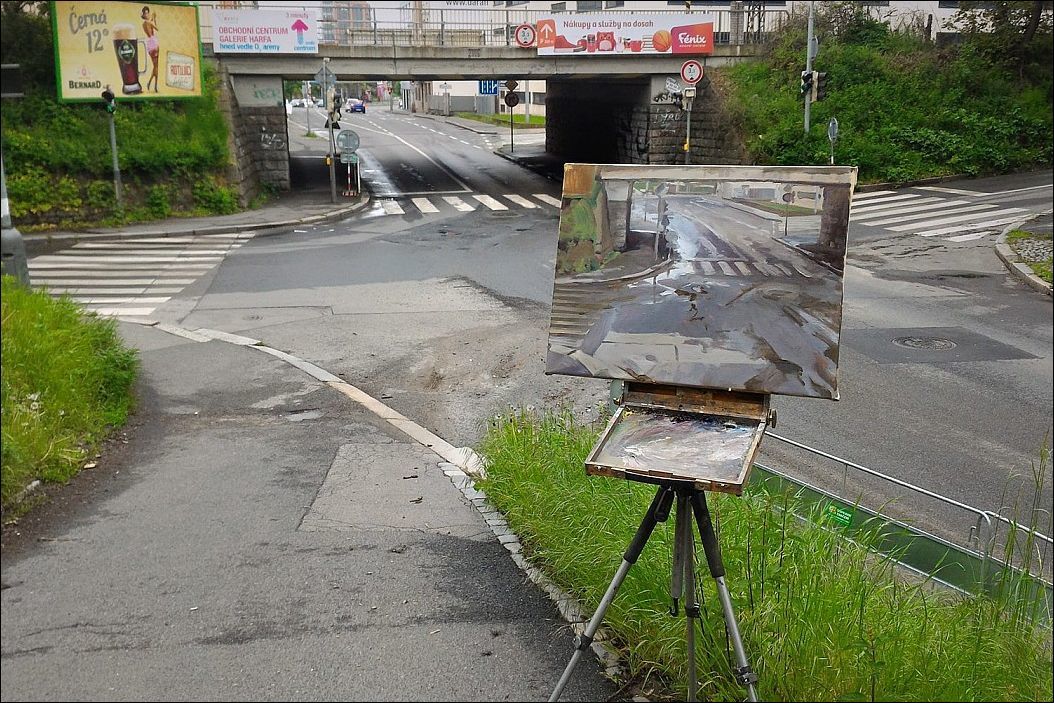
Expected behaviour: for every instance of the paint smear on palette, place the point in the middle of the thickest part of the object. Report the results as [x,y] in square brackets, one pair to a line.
[699,447]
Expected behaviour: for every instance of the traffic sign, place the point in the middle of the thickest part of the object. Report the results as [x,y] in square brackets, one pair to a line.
[348,139]
[511,84]
[673,85]
[512,99]
[349,157]
[444,87]
[488,87]
[525,36]
[832,129]
[325,77]
[691,71]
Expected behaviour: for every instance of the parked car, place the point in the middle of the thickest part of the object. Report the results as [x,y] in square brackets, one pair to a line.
[356,105]
[297,102]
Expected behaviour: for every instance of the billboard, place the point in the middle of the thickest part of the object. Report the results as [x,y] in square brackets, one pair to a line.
[265,31]
[723,277]
[629,33]
[140,50]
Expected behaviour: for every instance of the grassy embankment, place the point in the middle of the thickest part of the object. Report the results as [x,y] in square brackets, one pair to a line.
[172,154]
[66,381]
[906,109]
[503,120]
[1019,240]
[823,618]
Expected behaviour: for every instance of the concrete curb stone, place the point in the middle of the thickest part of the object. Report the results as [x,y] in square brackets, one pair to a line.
[1013,263]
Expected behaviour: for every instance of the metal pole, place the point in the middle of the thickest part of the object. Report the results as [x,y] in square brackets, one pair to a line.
[512,132]
[332,165]
[527,103]
[808,64]
[307,111]
[116,167]
[688,134]
[14,248]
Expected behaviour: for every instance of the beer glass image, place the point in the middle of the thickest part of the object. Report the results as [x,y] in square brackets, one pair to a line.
[126,46]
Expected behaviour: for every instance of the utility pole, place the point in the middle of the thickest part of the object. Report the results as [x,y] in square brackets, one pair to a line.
[809,52]
[111,107]
[305,92]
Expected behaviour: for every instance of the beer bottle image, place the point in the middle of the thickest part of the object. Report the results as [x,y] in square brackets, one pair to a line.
[126,47]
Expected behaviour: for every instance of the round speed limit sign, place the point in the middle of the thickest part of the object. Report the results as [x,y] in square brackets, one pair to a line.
[691,71]
[525,36]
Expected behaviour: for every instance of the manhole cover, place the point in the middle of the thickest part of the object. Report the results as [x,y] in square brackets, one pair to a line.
[928,343]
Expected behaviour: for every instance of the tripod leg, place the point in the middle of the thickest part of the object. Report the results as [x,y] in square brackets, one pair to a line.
[691,606]
[658,512]
[681,528]
[744,674]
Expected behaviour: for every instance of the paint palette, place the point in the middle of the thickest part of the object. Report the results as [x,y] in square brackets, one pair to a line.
[709,438]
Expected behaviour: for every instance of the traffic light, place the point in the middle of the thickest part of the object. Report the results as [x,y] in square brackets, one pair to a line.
[819,86]
[108,98]
[806,82]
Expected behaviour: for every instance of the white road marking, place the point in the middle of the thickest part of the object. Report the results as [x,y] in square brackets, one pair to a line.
[726,268]
[953,191]
[743,268]
[458,203]
[424,205]
[548,199]
[949,220]
[905,196]
[971,236]
[122,312]
[892,206]
[391,207]
[490,202]
[937,206]
[138,282]
[971,226]
[520,200]
[873,194]
[923,216]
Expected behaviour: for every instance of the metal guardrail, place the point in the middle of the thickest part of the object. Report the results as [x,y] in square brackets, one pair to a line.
[495,27]
[986,562]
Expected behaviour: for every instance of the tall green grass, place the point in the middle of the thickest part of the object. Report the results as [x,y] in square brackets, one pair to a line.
[67,378]
[823,618]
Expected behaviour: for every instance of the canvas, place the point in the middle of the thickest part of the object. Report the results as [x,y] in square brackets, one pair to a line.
[723,277]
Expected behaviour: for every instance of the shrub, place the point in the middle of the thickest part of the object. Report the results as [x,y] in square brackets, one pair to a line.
[213,197]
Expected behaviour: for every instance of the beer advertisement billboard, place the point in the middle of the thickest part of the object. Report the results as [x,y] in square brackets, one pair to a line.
[140,50]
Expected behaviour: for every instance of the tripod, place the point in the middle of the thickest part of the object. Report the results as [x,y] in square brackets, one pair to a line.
[689,500]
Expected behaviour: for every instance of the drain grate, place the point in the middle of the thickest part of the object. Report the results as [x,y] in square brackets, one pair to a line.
[928,343]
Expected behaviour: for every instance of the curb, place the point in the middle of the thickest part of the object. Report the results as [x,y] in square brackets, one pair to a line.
[459,464]
[1013,263]
[518,162]
[440,118]
[42,242]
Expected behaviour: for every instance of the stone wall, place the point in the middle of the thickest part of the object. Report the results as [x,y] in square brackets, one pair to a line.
[712,141]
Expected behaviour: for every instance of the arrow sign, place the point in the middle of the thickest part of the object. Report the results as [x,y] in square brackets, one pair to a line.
[299,27]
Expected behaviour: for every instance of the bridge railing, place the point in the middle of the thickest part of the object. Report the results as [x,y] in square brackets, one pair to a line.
[495,27]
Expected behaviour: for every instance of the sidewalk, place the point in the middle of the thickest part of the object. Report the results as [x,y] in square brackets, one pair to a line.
[260,537]
[291,209]
[534,157]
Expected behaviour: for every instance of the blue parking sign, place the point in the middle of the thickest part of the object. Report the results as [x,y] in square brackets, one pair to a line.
[488,87]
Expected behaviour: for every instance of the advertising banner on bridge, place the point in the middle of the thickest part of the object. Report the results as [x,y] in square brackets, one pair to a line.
[140,51]
[628,33]
[265,31]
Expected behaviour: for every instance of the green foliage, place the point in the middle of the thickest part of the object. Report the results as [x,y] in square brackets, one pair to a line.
[157,201]
[67,379]
[906,109]
[34,192]
[213,197]
[823,618]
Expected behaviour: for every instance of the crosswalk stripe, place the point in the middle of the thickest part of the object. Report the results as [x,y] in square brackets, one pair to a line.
[458,203]
[953,191]
[490,202]
[856,211]
[937,206]
[726,268]
[520,200]
[424,205]
[971,236]
[972,226]
[52,282]
[872,194]
[743,268]
[949,220]
[35,265]
[118,260]
[548,199]
[391,207]
[111,300]
[122,312]
[905,196]
[949,212]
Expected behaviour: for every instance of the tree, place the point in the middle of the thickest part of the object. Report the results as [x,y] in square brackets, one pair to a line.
[1016,35]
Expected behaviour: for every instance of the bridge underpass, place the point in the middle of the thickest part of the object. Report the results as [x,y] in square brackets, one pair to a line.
[608,110]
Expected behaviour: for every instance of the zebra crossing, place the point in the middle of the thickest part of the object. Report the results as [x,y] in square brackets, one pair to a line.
[466,202]
[131,278]
[932,213]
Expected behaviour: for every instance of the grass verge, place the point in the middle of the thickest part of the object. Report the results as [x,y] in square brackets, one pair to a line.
[67,379]
[1021,242]
[503,120]
[823,618]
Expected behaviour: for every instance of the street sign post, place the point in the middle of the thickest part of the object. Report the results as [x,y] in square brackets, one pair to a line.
[832,135]
[691,71]
[328,80]
[689,98]
[348,140]
[512,100]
